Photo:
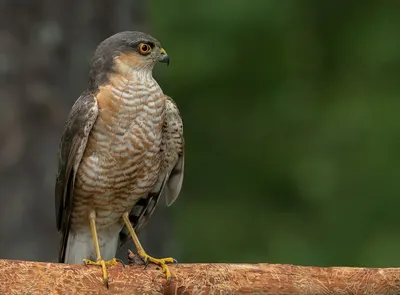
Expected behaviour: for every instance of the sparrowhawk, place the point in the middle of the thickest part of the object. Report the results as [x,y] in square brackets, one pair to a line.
[121,151]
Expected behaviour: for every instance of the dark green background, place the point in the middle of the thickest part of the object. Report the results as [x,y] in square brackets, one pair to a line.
[291,112]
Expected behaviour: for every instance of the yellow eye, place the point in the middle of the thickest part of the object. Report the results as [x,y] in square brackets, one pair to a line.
[144,48]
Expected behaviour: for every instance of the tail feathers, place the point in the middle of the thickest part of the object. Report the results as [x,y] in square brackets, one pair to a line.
[63,247]
[80,246]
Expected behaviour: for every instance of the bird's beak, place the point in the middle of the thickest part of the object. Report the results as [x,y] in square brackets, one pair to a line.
[164,58]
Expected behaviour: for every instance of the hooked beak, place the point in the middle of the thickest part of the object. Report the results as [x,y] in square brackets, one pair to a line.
[164,58]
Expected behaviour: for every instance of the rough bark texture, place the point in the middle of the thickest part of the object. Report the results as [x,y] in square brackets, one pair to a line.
[21,277]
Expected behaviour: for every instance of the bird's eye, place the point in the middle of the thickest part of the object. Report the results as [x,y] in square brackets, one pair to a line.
[144,48]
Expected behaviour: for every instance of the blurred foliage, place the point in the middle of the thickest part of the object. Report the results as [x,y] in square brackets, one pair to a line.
[292,130]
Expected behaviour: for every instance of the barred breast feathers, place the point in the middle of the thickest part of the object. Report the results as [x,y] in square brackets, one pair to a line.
[134,103]
[123,155]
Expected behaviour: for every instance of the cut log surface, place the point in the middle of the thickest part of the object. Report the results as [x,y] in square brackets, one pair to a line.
[38,278]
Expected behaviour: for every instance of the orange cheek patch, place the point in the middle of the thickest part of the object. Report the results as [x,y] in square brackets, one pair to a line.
[131,60]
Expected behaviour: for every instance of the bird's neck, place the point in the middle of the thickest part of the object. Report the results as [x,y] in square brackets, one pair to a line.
[140,76]
[133,72]
[130,100]
[138,83]
[133,86]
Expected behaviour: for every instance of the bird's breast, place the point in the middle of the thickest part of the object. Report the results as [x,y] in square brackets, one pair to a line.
[122,158]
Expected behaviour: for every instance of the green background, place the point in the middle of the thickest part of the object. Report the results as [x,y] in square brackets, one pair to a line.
[291,113]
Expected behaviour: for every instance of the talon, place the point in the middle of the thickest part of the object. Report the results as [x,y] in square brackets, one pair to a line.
[103,265]
[161,262]
[143,255]
[169,280]
[146,262]
[167,273]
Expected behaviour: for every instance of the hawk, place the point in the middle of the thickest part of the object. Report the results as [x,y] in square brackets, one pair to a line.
[121,151]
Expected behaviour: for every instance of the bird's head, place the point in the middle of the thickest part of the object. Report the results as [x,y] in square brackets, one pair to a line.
[127,52]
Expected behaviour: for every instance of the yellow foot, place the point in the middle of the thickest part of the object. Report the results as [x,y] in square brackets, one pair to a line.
[162,262]
[103,265]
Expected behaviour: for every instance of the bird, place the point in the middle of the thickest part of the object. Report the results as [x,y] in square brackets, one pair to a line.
[122,150]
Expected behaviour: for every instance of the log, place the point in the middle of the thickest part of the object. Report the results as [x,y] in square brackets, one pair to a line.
[37,278]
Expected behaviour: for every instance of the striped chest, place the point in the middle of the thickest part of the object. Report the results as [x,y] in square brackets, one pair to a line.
[122,158]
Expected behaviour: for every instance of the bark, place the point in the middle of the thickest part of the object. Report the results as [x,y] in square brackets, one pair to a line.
[21,277]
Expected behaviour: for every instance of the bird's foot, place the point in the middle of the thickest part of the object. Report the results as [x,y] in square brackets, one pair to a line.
[103,265]
[162,262]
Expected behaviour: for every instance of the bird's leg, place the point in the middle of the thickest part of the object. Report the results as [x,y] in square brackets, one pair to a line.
[99,260]
[162,262]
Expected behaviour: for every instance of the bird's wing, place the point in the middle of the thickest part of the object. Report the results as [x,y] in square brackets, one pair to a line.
[171,177]
[72,146]
[175,150]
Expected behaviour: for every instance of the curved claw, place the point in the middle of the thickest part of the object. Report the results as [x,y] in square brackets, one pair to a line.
[146,259]
[146,262]
[169,280]
[103,265]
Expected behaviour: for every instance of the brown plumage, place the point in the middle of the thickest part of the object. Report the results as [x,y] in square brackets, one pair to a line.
[122,149]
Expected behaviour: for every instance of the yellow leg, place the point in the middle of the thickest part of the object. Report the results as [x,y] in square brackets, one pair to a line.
[162,262]
[99,261]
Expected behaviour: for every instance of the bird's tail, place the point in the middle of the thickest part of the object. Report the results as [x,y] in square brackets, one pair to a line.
[63,247]
[79,246]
